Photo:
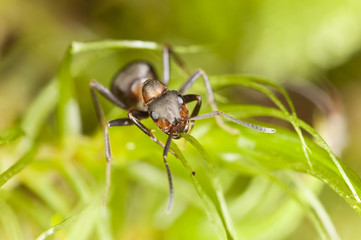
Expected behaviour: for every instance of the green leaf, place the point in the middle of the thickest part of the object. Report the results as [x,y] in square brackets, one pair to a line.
[341,174]
[9,135]
[51,231]
[221,202]
[250,153]
[17,167]
[209,206]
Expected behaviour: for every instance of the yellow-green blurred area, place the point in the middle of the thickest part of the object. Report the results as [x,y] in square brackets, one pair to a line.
[312,47]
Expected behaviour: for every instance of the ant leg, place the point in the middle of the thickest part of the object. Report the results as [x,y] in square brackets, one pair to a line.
[193,97]
[108,152]
[136,116]
[169,174]
[246,124]
[95,86]
[189,83]
[167,51]
[166,65]
[133,114]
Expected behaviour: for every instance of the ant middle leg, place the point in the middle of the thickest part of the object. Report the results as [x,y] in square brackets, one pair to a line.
[196,75]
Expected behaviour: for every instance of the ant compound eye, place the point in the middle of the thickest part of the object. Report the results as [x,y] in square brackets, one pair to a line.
[154,115]
[180,100]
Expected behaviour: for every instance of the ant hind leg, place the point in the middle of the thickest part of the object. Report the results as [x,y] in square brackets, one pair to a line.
[107,94]
[167,52]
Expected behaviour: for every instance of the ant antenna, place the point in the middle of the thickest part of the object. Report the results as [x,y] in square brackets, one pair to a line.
[246,124]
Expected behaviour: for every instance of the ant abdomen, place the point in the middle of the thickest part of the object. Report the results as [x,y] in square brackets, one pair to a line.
[128,82]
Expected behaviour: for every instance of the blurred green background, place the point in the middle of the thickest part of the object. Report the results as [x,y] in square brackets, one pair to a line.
[293,42]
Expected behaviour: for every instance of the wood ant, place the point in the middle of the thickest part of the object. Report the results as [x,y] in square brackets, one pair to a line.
[135,88]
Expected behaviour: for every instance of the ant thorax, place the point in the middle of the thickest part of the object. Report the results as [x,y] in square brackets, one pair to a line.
[169,112]
[128,83]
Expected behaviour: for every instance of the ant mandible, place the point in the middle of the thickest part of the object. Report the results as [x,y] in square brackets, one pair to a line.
[135,88]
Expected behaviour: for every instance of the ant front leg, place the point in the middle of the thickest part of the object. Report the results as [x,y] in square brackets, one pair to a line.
[169,174]
[136,116]
[133,115]
[189,83]
[190,98]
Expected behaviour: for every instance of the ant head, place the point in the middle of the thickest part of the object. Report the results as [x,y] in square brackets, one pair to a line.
[170,113]
[153,89]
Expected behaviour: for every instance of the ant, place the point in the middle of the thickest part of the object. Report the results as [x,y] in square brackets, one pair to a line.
[135,88]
